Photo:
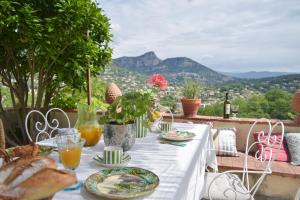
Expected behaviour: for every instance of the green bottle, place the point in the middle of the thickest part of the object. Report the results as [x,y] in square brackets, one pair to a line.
[226,112]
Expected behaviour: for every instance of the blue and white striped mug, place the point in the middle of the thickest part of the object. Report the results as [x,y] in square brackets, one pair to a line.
[112,155]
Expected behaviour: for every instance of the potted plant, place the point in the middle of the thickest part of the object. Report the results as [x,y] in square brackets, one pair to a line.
[120,118]
[157,83]
[191,101]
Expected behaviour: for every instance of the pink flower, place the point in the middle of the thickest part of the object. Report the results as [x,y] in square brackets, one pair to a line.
[158,80]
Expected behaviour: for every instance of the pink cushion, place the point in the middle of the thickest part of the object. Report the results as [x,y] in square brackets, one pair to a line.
[283,152]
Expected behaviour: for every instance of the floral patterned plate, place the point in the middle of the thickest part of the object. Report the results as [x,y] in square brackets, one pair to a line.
[122,183]
[176,135]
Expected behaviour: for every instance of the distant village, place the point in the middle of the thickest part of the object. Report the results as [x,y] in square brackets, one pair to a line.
[209,95]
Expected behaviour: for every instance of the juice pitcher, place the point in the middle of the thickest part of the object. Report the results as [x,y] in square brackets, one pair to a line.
[87,125]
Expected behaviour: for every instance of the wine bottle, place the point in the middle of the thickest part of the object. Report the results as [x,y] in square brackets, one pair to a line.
[226,112]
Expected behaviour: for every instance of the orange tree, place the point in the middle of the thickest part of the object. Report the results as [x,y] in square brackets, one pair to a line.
[46,45]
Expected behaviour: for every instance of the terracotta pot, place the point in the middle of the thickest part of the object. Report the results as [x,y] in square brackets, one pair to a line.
[296,106]
[296,101]
[112,92]
[190,107]
[297,119]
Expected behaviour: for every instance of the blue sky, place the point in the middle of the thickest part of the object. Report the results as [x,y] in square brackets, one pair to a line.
[225,35]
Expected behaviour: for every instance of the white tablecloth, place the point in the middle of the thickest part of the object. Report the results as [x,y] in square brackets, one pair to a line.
[180,169]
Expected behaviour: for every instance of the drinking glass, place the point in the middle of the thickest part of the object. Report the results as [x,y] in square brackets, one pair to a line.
[69,150]
[234,110]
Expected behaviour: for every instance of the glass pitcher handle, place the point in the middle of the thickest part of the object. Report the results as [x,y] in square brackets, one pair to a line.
[168,110]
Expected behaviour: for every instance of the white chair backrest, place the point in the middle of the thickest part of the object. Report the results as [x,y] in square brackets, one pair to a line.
[43,128]
[270,147]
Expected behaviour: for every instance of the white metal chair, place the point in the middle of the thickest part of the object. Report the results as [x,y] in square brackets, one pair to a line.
[228,185]
[44,129]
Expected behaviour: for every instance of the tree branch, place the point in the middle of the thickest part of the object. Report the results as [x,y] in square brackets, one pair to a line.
[32,72]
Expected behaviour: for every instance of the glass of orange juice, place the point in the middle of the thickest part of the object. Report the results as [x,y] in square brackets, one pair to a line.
[69,149]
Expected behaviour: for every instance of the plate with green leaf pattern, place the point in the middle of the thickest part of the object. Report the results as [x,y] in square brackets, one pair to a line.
[122,183]
[176,135]
[43,150]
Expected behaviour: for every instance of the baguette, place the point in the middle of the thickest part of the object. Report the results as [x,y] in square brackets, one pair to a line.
[42,184]
[20,174]
[19,170]
[7,169]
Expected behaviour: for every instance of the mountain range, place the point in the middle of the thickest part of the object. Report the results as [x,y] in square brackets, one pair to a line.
[255,74]
[178,69]
[174,69]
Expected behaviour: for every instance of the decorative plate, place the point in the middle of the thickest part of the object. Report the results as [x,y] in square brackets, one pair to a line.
[43,150]
[125,159]
[176,135]
[122,183]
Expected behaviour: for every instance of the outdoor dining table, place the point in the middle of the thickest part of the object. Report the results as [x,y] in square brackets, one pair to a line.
[180,169]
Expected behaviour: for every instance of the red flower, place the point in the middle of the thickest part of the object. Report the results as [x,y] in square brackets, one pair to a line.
[158,80]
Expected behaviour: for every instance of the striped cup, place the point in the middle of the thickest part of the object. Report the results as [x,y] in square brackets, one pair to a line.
[141,131]
[165,126]
[112,155]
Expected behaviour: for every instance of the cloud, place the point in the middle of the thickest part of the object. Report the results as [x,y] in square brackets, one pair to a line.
[231,35]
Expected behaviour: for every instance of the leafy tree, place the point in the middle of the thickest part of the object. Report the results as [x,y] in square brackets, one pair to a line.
[274,104]
[46,45]
[68,97]
[5,97]
[257,107]
[212,110]
[279,104]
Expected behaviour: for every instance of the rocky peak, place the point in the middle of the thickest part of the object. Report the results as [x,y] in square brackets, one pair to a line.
[149,59]
[175,69]
[150,54]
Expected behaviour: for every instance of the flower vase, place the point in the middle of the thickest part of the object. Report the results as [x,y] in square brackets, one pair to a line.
[122,135]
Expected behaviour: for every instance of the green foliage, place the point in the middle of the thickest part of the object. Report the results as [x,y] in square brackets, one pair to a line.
[257,107]
[274,104]
[212,110]
[5,97]
[191,89]
[169,101]
[279,104]
[125,109]
[69,98]
[49,40]
[48,45]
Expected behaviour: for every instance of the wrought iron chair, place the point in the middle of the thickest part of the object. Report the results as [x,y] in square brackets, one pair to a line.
[43,129]
[228,185]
